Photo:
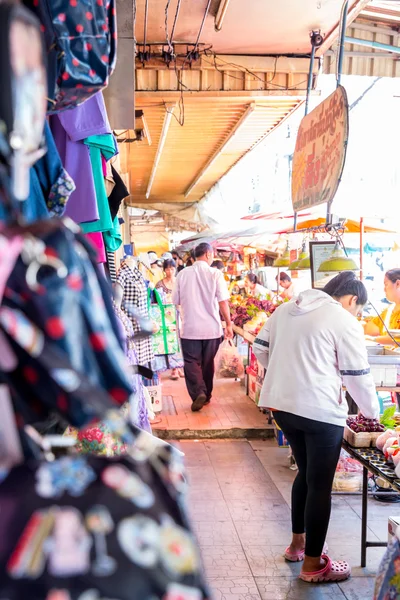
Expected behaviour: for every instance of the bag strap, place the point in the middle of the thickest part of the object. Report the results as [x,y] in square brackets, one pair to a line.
[159,301]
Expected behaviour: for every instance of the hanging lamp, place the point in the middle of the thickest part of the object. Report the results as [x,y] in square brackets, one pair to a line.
[304,262]
[338,261]
[284,260]
[297,265]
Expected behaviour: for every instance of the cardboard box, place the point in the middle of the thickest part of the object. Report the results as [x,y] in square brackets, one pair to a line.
[393,524]
[280,438]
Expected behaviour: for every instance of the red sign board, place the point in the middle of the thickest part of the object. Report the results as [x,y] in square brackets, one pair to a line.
[320,152]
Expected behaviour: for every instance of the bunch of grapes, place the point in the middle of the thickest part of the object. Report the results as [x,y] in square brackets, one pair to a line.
[361,424]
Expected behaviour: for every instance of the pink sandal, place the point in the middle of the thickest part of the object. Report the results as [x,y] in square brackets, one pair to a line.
[299,555]
[338,570]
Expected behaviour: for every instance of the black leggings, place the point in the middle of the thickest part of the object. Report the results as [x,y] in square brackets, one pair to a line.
[316,448]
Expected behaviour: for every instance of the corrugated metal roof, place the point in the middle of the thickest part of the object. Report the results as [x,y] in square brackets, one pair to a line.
[378,23]
[187,149]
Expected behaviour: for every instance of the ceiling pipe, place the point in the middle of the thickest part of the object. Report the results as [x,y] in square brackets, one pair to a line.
[341,43]
[372,44]
[249,110]
[220,16]
[169,113]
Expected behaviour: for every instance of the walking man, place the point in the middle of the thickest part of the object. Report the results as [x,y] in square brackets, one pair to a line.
[202,293]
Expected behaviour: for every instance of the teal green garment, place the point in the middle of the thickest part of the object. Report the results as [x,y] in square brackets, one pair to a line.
[113,238]
[100,145]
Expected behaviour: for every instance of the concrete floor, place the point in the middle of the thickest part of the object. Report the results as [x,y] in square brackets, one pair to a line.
[239,502]
[230,411]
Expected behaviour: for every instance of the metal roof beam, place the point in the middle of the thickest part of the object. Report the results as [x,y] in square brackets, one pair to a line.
[169,113]
[372,44]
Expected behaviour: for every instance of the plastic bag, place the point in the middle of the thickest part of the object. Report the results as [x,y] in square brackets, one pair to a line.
[348,476]
[228,362]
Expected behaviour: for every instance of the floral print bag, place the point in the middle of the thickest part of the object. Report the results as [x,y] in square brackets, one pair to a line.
[387,583]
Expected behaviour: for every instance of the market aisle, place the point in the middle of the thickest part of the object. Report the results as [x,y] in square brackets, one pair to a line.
[239,505]
[229,409]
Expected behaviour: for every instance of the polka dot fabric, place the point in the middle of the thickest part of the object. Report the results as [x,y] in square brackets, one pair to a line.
[80,37]
[66,339]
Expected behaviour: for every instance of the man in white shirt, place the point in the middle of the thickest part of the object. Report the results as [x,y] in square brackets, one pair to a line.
[202,293]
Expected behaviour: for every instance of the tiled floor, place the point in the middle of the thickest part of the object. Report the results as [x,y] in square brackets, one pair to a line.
[239,494]
[229,408]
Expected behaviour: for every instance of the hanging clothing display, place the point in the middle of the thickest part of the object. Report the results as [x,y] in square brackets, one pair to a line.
[118,193]
[86,527]
[100,145]
[96,239]
[50,184]
[135,297]
[112,269]
[64,334]
[70,129]
[75,527]
[81,45]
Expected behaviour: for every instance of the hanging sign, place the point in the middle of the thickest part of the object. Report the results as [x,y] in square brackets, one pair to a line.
[319,252]
[320,152]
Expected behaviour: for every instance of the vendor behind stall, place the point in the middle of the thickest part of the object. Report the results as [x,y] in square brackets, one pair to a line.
[255,289]
[285,282]
[390,317]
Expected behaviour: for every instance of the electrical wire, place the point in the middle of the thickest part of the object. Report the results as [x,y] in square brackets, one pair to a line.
[384,324]
[178,6]
[166,26]
[169,40]
[202,25]
[146,14]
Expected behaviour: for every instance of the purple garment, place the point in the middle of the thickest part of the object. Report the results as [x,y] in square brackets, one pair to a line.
[87,119]
[69,129]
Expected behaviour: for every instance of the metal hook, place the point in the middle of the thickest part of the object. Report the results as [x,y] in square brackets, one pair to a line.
[44,261]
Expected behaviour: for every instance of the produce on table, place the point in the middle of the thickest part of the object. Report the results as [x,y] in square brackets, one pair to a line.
[389,442]
[244,310]
[382,439]
[361,424]
[256,323]
[388,418]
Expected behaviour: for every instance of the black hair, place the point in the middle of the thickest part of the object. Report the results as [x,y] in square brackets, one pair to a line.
[175,253]
[169,262]
[347,284]
[218,264]
[252,278]
[202,249]
[393,275]
[284,277]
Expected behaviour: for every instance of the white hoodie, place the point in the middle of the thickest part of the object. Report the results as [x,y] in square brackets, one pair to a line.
[311,347]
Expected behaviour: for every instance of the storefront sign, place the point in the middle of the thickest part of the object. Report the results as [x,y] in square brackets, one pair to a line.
[320,152]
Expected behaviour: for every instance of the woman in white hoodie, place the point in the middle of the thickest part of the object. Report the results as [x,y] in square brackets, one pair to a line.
[311,348]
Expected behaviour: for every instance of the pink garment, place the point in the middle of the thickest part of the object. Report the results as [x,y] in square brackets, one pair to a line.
[96,239]
[104,165]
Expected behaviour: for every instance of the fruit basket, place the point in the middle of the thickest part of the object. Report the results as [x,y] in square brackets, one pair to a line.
[357,440]
[361,432]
